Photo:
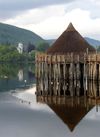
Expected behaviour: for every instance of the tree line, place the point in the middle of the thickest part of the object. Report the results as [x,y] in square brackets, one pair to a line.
[9,53]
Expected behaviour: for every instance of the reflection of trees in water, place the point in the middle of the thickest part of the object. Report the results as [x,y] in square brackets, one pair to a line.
[31,71]
[31,68]
[30,74]
[8,70]
[14,76]
[13,70]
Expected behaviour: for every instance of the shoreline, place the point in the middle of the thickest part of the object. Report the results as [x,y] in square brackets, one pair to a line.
[26,95]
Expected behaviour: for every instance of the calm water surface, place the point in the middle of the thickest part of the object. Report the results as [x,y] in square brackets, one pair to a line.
[13,76]
[58,119]
[23,114]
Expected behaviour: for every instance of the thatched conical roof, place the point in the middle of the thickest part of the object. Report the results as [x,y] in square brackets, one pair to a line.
[70,41]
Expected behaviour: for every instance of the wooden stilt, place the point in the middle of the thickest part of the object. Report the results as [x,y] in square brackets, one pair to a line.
[53,72]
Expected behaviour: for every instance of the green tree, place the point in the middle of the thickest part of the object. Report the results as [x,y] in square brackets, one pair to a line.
[98,49]
[10,54]
[31,56]
[42,47]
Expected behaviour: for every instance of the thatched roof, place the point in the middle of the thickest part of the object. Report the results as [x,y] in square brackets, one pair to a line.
[70,41]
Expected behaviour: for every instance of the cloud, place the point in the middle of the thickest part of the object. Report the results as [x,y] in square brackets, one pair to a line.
[49,18]
[12,8]
[40,20]
[93,6]
[36,16]
[50,24]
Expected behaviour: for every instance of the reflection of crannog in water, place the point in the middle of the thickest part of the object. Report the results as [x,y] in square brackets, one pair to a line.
[70,110]
[68,88]
[71,101]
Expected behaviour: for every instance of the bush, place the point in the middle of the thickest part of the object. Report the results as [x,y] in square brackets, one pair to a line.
[42,47]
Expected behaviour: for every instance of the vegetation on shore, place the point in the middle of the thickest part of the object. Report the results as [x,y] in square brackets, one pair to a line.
[7,70]
[9,53]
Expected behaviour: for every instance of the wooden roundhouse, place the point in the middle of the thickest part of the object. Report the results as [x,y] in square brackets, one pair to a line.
[70,60]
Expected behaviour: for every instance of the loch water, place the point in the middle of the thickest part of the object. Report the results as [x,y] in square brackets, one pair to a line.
[23,113]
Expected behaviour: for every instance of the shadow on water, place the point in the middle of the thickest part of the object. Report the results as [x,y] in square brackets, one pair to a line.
[73,102]
[13,76]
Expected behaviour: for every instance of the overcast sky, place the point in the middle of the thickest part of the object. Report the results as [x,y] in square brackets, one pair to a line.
[49,18]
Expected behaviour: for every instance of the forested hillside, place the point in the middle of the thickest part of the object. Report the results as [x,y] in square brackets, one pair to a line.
[13,35]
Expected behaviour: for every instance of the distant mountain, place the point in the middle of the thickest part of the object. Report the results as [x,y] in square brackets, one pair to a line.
[13,35]
[93,42]
[50,41]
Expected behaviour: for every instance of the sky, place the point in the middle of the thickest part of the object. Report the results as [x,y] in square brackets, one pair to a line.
[49,18]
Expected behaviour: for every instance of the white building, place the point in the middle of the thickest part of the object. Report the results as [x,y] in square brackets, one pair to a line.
[20,48]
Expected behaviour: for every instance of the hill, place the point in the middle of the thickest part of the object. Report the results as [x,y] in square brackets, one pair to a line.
[50,41]
[92,42]
[13,35]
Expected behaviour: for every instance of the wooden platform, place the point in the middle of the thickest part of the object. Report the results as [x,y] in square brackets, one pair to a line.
[69,66]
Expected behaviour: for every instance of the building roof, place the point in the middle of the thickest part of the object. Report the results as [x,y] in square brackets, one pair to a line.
[70,41]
